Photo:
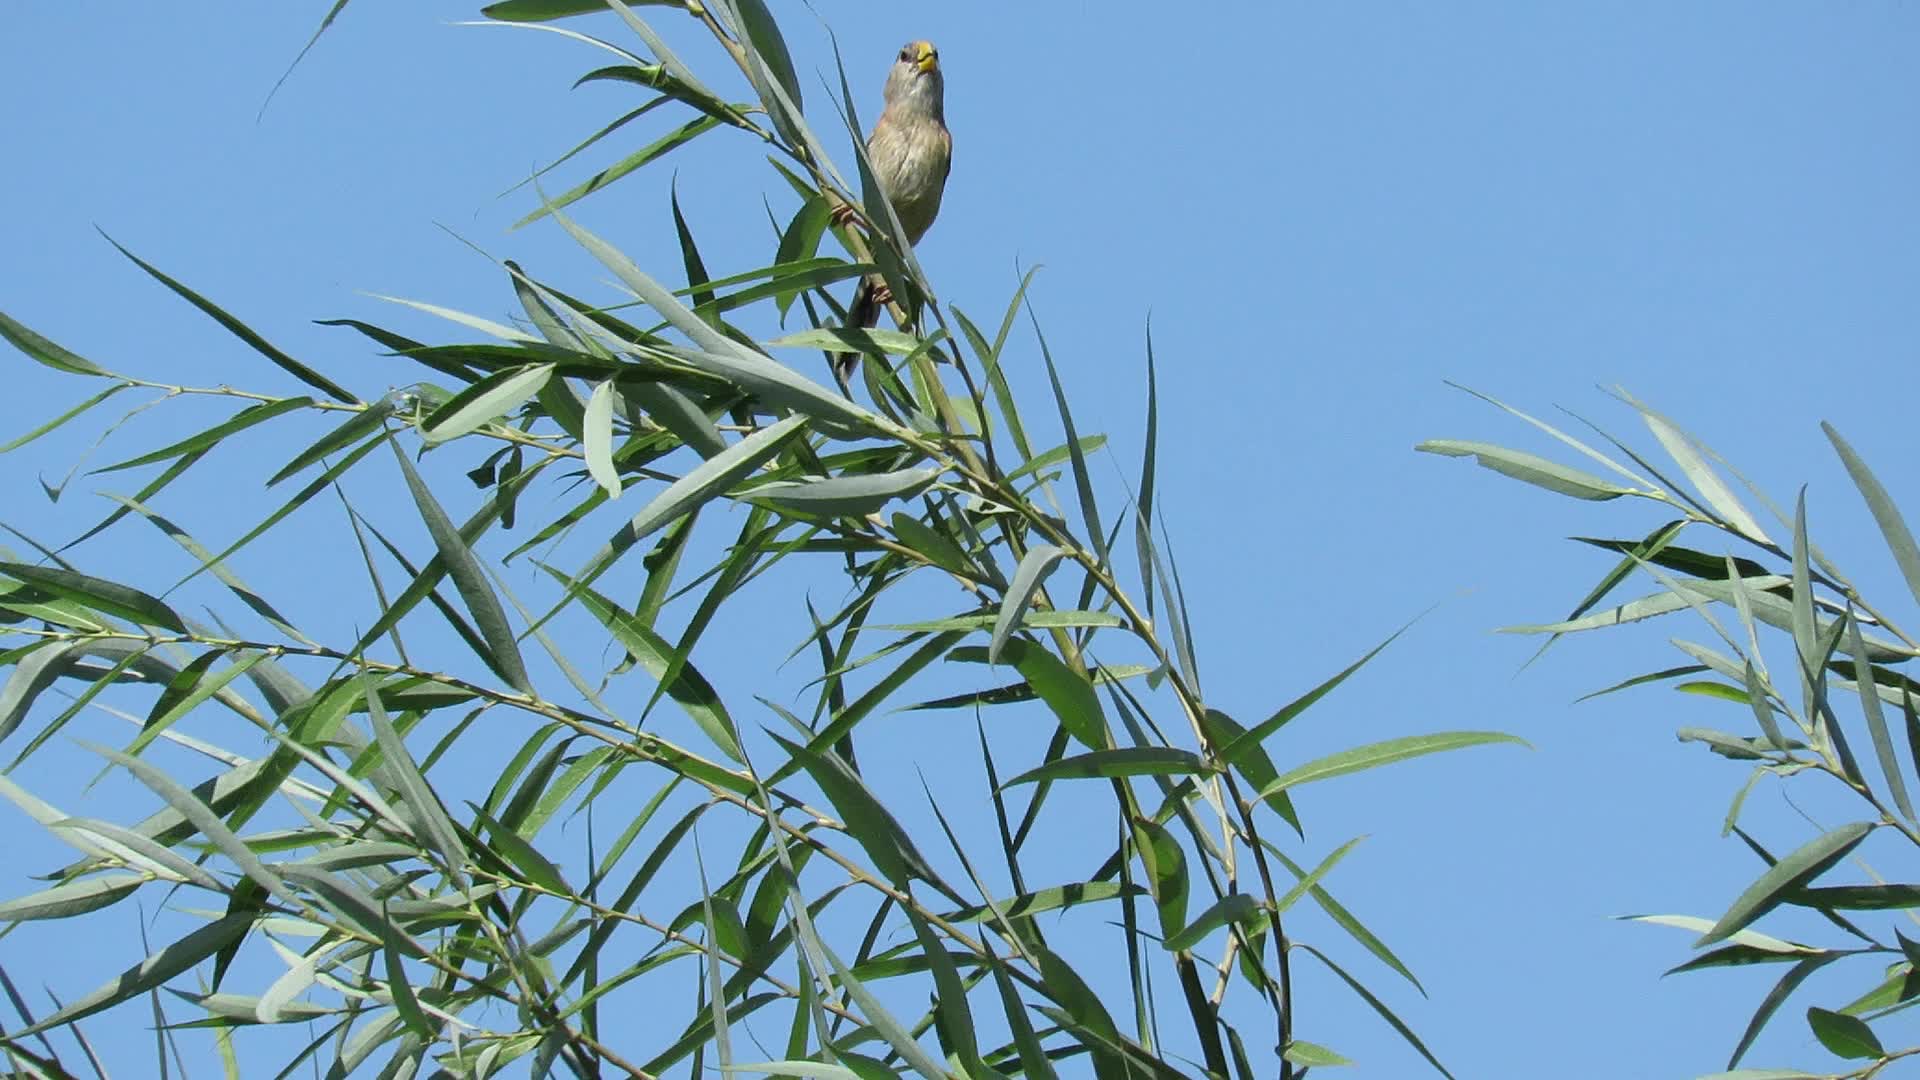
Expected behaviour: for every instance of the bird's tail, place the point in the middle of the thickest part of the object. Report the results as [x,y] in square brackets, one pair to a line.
[862,313]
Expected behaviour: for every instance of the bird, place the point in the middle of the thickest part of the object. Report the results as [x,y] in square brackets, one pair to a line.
[911,152]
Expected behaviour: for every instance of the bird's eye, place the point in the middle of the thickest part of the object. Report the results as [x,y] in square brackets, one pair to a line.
[906,53]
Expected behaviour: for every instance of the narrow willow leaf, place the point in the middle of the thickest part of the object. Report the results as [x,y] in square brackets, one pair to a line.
[1846,1036]
[106,597]
[72,898]
[1893,527]
[844,339]
[1380,1007]
[1166,869]
[1069,694]
[1876,720]
[646,155]
[1385,753]
[471,580]
[1530,468]
[936,547]
[351,430]
[1112,764]
[773,382]
[1304,1053]
[689,688]
[1041,620]
[1034,568]
[1052,898]
[152,972]
[1033,1058]
[1858,897]
[1259,733]
[46,352]
[952,1018]
[1751,938]
[211,437]
[598,440]
[523,855]
[882,1021]
[22,440]
[1680,446]
[423,805]
[1312,880]
[846,496]
[799,1067]
[1082,480]
[1792,872]
[484,402]
[1143,501]
[700,485]
[868,821]
[674,411]
[1083,1007]
[1233,908]
[240,330]
[1251,759]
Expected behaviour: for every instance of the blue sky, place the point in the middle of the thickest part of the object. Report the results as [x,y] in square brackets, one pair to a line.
[1327,210]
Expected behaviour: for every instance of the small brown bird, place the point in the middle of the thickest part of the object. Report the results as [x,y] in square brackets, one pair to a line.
[911,152]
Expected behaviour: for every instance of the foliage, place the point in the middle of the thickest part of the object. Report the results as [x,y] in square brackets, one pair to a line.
[404,909]
[1802,717]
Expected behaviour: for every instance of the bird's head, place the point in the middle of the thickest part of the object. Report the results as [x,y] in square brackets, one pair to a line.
[915,80]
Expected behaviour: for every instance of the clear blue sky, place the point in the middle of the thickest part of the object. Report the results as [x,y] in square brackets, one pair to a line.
[1327,210]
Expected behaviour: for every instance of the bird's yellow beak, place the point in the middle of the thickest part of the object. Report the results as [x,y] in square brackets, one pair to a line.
[925,56]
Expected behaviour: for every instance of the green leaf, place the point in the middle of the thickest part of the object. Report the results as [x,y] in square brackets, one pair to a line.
[597,443]
[851,339]
[106,597]
[1039,562]
[20,441]
[1857,897]
[1876,720]
[1304,1053]
[689,689]
[211,437]
[760,375]
[1069,694]
[150,973]
[952,1017]
[845,496]
[1112,764]
[1680,446]
[868,821]
[46,352]
[1378,1006]
[1893,527]
[1052,898]
[1385,753]
[1530,468]
[936,547]
[72,898]
[355,426]
[503,652]
[547,10]
[1847,1036]
[1233,908]
[1166,868]
[1795,870]
[646,155]
[523,855]
[1259,733]
[484,402]
[240,330]
[882,1021]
